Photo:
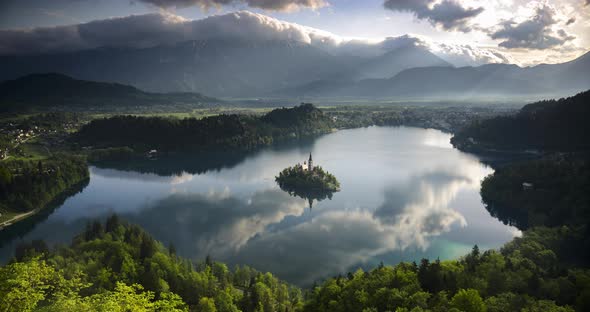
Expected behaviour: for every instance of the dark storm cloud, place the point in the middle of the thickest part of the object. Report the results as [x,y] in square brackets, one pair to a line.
[143,31]
[570,21]
[273,5]
[449,14]
[135,30]
[151,30]
[534,33]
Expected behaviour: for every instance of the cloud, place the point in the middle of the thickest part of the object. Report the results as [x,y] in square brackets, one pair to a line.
[142,31]
[333,242]
[449,14]
[131,31]
[148,30]
[571,20]
[419,209]
[216,223]
[456,54]
[271,5]
[537,32]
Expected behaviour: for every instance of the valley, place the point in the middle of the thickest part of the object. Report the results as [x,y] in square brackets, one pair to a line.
[294,156]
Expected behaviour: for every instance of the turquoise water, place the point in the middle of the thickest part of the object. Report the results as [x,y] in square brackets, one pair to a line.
[406,194]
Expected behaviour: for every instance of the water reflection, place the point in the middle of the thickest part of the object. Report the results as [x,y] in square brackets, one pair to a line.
[197,163]
[20,229]
[217,223]
[405,194]
[309,195]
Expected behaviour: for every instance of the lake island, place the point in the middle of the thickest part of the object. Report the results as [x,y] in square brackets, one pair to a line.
[307,177]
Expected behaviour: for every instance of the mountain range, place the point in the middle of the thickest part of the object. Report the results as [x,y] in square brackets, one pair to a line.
[51,89]
[276,66]
[483,81]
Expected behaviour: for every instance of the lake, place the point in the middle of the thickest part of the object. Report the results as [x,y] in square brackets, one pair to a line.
[406,194]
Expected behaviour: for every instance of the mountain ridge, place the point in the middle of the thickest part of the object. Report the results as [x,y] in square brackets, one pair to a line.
[242,68]
[484,80]
[45,90]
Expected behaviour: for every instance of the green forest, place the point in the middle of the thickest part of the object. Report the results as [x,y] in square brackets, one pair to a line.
[26,185]
[115,266]
[555,125]
[216,132]
[557,192]
[525,275]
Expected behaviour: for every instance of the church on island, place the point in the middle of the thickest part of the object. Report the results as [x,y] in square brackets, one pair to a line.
[308,165]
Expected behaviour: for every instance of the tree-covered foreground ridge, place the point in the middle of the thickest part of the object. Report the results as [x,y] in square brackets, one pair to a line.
[115,266]
[118,267]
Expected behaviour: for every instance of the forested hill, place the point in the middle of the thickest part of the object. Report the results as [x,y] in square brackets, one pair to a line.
[548,125]
[558,192]
[216,132]
[52,89]
[115,266]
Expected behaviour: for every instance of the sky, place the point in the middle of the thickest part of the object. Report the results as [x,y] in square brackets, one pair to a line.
[525,32]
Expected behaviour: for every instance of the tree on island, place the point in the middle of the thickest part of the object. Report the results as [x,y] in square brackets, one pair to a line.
[308,182]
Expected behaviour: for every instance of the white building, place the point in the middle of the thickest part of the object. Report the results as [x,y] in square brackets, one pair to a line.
[308,165]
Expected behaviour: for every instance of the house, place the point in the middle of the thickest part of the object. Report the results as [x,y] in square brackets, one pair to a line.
[152,154]
[526,186]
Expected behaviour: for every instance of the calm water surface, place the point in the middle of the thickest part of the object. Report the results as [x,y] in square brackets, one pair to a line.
[406,194]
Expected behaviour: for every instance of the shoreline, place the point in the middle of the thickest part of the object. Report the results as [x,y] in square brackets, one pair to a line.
[66,193]
[18,218]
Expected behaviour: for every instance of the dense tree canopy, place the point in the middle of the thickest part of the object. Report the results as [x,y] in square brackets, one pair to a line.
[296,178]
[119,267]
[525,275]
[552,191]
[216,132]
[548,125]
[26,185]
[115,266]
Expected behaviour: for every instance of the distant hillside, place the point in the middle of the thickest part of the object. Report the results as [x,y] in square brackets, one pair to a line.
[374,69]
[51,89]
[279,68]
[466,82]
[217,67]
[395,61]
[548,125]
[210,133]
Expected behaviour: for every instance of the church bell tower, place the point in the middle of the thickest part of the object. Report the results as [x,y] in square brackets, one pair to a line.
[310,163]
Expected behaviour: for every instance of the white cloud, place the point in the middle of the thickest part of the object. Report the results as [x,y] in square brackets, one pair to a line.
[456,54]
